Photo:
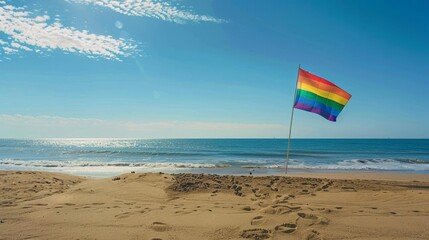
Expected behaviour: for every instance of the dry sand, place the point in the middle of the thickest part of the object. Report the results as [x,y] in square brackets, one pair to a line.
[41,205]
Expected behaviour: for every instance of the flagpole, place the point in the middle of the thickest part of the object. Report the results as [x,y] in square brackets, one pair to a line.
[291,120]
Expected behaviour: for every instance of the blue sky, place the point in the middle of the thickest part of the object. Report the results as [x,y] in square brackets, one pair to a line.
[221,68]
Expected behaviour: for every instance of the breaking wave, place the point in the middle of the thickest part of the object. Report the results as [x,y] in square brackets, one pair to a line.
[384,164]
[82,164]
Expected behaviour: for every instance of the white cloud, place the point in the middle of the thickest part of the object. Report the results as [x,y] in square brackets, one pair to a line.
[37,33]
[151,8]
[55,126]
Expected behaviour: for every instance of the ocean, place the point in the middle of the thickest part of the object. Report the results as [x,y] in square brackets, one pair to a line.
[108,157]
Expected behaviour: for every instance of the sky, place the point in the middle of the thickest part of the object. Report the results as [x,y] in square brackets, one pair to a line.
[210,69]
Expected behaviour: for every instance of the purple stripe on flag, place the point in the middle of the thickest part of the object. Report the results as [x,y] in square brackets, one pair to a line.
[316,110]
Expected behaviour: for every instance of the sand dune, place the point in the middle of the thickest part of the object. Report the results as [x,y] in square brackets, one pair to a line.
[41,205]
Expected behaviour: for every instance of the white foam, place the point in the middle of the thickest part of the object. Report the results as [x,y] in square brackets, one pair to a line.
[115,167]
[100,166]
[370,164]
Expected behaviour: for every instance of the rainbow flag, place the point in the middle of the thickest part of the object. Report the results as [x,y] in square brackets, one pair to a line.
[318,95]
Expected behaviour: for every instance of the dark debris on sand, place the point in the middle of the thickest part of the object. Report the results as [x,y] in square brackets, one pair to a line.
[261,186]
[242,185]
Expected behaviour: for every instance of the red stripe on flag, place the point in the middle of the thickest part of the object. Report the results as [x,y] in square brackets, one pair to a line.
[306,74]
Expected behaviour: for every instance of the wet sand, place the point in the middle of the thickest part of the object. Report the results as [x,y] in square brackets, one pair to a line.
[154,206]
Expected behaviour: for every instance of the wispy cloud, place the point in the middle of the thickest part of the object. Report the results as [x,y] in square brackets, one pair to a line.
[151,8]
[55,126]
[26,32]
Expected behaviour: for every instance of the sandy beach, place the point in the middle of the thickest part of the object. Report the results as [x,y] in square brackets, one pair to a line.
[154,206]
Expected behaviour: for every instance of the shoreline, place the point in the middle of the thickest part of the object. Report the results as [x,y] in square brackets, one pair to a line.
[239,171]
[110,157]
[160,206]
[338,175]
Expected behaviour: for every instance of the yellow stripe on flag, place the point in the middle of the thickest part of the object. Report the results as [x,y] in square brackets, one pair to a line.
[322,93]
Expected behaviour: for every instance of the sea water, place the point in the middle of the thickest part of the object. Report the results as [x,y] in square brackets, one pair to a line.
[108,157]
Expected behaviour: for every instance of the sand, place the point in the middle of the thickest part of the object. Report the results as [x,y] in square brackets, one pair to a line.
[154,206]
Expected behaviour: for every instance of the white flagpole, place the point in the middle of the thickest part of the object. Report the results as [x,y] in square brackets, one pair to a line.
[291,120]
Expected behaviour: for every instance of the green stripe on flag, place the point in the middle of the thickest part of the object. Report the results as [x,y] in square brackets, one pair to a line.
[318,98]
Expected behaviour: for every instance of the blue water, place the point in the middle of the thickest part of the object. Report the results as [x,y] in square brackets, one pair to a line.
[107,157]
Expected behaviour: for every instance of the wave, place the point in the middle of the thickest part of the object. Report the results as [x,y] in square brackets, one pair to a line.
[385,164]
[82,164]
[130,153]
[274,155]
[397,164]
[310,154]
[382,164]
[386,160]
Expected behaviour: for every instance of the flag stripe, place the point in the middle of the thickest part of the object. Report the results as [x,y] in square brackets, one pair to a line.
[323,93]
[319,111]
[325,87]
[314,77]
[327,102]
[316,104]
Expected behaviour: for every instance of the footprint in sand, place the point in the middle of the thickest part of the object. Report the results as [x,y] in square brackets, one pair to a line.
[314,219]
[159,226]
[275,210]
[286,228]
[123,215]
[314,235]
[327,210]
[307,216]
[247,208]
[183,212]
[256,233]
[258,220]
[279,209]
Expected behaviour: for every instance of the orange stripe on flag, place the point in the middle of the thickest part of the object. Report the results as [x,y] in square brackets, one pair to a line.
[329,88]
